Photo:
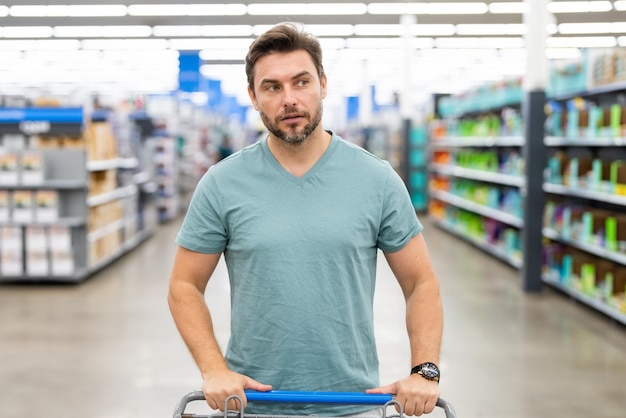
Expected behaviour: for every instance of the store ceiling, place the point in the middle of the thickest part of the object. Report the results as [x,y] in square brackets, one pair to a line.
[451,51]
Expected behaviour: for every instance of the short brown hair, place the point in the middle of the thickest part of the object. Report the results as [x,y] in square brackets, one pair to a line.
[284,37]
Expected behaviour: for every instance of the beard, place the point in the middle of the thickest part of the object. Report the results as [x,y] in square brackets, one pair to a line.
[293,135]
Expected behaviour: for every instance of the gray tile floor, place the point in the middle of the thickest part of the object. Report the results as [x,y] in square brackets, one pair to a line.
[107,348]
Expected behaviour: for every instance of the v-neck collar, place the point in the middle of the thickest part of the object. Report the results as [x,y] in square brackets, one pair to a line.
[312,171]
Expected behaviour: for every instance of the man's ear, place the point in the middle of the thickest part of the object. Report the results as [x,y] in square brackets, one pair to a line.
[253,98]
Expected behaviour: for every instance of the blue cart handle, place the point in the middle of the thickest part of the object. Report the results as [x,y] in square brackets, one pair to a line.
[278,396]
[285,396]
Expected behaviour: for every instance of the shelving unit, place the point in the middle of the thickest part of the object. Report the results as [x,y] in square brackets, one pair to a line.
[68,208]
[584,224]
[476,174]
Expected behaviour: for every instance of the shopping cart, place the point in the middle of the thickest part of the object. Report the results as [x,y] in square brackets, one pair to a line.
[276,396]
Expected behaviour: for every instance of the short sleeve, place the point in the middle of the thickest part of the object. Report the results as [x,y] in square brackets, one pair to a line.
[203,229]
[399,222]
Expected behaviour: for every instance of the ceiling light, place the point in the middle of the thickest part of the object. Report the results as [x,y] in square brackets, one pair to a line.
[27,32]
[332,9]
[96,10]
[223,54]
[479,43]
[4,11]
[336,8]
[216,9]
[579,6]
[157,9]
[331,30]
[227,30]
[332,43]
[101,31]
[621,40]
[197,44]
[379,30]
[127,44]
[456,8]
[432,30]
[582,42]
[182,30]
[481,29]
[620,5]
[277,9]
[569,28]
[562,53]
[68,10]
[507,8]
[396,8]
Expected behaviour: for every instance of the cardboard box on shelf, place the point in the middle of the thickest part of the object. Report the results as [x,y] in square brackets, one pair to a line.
[11,250]
[46,206]
[22,206]
[32,167]
[9,168]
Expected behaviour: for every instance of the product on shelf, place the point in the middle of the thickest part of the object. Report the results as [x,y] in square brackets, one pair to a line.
[46,206]
[11,250]
[32,167]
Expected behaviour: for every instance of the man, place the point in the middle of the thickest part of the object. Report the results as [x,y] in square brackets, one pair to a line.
[299,218]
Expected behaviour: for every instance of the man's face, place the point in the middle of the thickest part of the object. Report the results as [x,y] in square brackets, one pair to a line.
[288,94]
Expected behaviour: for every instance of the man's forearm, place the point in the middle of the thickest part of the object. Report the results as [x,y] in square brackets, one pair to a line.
[424,320]
[194,323]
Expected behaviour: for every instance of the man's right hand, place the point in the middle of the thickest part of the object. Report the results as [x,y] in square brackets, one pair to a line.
[220,385]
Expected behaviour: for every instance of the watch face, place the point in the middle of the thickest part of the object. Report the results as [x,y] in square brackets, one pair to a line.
[430,370]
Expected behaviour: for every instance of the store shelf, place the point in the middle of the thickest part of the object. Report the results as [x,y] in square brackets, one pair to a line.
[478,208]
[66,221]
[493,141]
[113,195]
[481,175]
[590,248]
[490,249]
[113,163]
[598,305]
[554,141]
[48,184]
[585,194]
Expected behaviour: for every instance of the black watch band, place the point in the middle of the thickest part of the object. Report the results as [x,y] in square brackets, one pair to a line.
[428,371]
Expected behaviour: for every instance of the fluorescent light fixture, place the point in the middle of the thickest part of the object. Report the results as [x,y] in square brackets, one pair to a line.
[620,5]
[481,29]
[456,8]
[332,9]
[621,40]
[479,42]
[579,6]
[268,9]
[227,30]
[388,43]
[190,44]
[379,30]
[562,53]
[27,32]
[4,11]
[68,10]
[582,42]
[491,29]
[329,44]
[157,10]
[216,9]
[96,10]
[102,31]
[396,8]
[507,8]
[127,44]
[57,45]
[433,30]
[336,8]
[569,28]
[182,30]
[331,30]
[223,54]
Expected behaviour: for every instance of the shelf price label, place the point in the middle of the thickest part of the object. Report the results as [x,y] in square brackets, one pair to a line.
[35,127]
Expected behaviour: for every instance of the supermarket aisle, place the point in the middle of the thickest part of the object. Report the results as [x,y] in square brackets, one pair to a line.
[108,349]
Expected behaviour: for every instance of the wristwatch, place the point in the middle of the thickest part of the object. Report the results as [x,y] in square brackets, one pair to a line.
[428,371]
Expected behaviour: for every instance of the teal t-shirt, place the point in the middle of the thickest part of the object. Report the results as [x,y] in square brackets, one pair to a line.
[301,255]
